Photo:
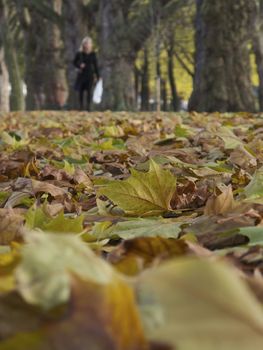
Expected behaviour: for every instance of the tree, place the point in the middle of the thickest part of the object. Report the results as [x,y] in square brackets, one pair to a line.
[258,47]
[4,83]
[4,75]
[75,28]
[56,87]
[35,62]
[117,55]
[145,89]
[39,23]
[124,26]
[10,57]
[170,49]
[222,75]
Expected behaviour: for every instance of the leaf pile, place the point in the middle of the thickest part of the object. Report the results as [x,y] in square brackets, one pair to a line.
[131,231]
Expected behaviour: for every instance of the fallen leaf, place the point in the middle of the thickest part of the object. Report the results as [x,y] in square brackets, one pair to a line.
[43,274]
[196,304]
[41,218]
[11,225]
[98,306]
[224,203]
[143,194]
[254,190]
[135,255]
[244,159]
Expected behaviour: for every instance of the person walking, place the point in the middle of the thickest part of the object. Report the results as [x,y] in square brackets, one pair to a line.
[88,73]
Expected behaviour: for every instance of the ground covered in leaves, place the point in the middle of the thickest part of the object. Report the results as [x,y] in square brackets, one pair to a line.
[131,231]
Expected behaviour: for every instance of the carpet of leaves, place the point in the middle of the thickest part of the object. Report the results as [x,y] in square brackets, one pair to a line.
[131,231]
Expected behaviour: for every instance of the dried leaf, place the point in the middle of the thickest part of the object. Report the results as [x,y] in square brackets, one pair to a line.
[254,190]
[143,194]
[134,255]
[11,225]
[224,203]
[191,304]
[43,275]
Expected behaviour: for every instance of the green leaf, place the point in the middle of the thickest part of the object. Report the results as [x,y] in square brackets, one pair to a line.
[136,228]
[254,233]
[143,194]
[43,275]
[181,131]
[146,228]
[230,139]
[110,144]
[12,141]
[101,231]
[3,197]
[113,131]
[197,304]
[65,225]
[36,217]
[254,189]
[69,168]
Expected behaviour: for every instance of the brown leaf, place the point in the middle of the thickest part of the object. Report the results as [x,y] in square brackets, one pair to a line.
[135,255]
[100,316]
[81,178]
[45,187]
[221,204]
[97,317]
[32,187]
[208,230]
[16,316]
[241,157]
[49,172]
[11,225]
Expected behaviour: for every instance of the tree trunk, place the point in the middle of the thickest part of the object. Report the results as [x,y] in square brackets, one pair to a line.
[222,75]
[74,31]
[123,30]
[117,58]
[164,95]
[145,91]
[56,89]
[118,84]
[17,97]
[137,80]
[45,71]
[4,83]
[258,49]
[158,85]
[175,98]
[4,76]
[36,64]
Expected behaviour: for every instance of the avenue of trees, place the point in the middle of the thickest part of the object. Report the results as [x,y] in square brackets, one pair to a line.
[139,43]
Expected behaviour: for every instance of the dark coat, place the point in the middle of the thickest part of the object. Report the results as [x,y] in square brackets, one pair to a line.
[86,75]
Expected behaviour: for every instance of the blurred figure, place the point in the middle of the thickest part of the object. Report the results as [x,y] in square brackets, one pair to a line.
[86,63]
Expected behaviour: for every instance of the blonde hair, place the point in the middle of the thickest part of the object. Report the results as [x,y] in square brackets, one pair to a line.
[84,41]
